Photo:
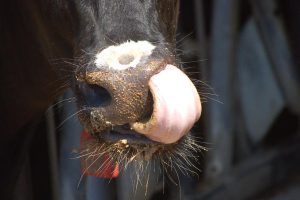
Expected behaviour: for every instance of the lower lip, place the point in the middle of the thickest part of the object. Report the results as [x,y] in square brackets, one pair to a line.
[127,137]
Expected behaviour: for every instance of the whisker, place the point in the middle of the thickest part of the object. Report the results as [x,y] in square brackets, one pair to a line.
[183,38]
[193,61]
[85,172]
[68,118]
[68,100]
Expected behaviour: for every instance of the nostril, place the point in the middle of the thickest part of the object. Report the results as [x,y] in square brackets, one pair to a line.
[148,109]
[126,59]
[94,95]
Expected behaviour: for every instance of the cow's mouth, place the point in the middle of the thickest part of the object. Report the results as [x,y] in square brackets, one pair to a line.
[107,153]
[126,135]
[163,135]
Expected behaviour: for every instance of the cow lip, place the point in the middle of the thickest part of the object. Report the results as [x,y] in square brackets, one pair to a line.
[126,136]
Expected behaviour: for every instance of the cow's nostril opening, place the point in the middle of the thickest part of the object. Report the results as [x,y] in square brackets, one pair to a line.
[95,96]
[126,59]
[149,109]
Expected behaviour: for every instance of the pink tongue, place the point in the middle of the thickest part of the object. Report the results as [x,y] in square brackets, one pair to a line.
[177,106]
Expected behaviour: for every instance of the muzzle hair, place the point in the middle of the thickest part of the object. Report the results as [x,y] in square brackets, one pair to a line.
[182,156]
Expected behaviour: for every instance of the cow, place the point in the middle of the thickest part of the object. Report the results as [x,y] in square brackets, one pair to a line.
[118,56]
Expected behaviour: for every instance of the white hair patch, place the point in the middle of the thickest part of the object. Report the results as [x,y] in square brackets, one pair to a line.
[123,56]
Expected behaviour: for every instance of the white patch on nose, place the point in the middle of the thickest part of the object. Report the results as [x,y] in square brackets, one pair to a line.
[125,55]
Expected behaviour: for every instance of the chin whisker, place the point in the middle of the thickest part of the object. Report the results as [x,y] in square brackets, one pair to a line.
[181,157]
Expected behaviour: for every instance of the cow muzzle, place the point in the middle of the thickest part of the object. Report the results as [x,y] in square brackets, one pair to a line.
[135,95]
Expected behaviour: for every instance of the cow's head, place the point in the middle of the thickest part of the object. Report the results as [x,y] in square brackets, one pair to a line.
[130,92]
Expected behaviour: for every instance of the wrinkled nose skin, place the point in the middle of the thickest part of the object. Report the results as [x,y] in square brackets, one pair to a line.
[126,76]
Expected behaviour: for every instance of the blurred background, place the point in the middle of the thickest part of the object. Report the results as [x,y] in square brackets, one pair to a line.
[245,56]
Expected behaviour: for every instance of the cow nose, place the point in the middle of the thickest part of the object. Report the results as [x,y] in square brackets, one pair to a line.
[117,98]
[117,84]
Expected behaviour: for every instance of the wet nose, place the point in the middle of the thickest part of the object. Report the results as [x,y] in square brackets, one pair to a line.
[116,87]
